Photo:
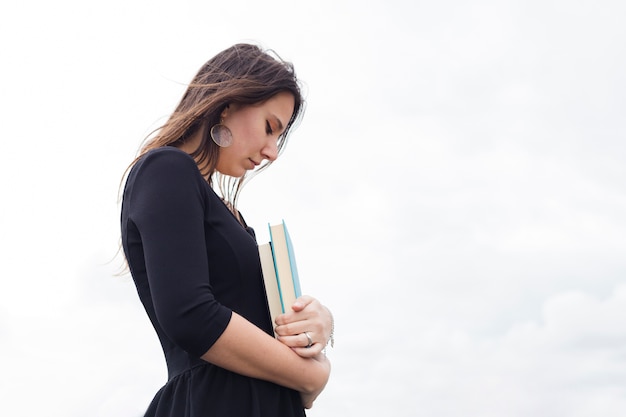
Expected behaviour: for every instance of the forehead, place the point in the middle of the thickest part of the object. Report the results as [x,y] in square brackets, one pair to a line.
[281,104]
[277,109]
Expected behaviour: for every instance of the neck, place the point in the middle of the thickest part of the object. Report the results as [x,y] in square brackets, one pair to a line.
[192,143]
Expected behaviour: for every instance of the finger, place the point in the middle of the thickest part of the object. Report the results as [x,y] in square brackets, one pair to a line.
[294,317]
[295,313]
[311,352]
[301,302]
[291,317]
[297,340]
[316,329]
[298,327]
[309,341]
[305,307]
[291,329]
[293,341]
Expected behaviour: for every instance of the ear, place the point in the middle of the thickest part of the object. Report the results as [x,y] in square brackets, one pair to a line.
[225,112]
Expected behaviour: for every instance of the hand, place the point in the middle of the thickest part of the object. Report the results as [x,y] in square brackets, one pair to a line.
[309,316]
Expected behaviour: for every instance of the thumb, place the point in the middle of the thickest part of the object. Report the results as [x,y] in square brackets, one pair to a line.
[301,303]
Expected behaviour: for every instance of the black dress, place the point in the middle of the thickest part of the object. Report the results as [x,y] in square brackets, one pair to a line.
[193,265]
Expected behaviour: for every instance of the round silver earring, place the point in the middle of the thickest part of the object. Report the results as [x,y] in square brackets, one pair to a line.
[221,135]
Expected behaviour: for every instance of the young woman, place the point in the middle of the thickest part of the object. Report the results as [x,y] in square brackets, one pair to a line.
[194,261]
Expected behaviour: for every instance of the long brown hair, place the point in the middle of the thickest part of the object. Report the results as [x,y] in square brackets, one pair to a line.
[243,74]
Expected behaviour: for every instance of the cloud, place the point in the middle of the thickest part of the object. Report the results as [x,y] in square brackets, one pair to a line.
[571,362]
[455,192]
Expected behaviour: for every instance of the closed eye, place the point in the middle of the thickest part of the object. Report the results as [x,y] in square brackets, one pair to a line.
[268,128]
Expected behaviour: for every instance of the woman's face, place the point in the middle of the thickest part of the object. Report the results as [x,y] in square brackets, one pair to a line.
[255,130]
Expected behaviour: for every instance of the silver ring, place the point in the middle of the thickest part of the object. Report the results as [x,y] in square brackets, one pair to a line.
[310,340]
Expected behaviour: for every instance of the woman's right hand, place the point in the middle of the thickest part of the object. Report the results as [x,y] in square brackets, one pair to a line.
[309,397]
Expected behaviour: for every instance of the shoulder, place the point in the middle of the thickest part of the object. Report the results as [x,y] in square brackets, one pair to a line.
[165,162]
[165,169]
[165,157]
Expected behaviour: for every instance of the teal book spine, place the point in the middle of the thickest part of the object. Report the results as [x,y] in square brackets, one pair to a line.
[285,265]
[292,263]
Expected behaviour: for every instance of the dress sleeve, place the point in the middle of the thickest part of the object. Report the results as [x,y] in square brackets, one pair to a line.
[167,207]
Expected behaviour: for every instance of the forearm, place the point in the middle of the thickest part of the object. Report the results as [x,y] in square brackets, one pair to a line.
[245,349]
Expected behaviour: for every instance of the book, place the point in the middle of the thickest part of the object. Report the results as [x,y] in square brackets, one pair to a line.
[280,271]
[271,283]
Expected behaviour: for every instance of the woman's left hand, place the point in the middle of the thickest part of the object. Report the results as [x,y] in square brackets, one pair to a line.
[309,317]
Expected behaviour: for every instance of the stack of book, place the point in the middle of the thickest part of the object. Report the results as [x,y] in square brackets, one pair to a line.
[280,273]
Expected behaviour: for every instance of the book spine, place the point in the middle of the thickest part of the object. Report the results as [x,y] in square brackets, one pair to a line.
[292,263]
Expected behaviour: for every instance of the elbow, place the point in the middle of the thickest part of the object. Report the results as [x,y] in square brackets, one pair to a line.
[195,334]
[316,380]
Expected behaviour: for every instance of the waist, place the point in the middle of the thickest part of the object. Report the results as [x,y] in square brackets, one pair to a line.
[180,361]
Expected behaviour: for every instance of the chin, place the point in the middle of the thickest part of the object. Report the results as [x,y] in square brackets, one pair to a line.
[233,173]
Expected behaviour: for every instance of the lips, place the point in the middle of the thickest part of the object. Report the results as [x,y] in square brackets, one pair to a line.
[254,163]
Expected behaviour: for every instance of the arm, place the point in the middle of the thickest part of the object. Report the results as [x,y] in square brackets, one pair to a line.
[247,350]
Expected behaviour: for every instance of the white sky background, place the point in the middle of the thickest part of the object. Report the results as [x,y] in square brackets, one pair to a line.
[456,193]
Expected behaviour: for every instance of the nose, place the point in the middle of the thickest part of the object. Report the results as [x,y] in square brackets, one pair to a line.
[270,151]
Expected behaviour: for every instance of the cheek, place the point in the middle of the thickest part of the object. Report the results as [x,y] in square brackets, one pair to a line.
[241,133]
